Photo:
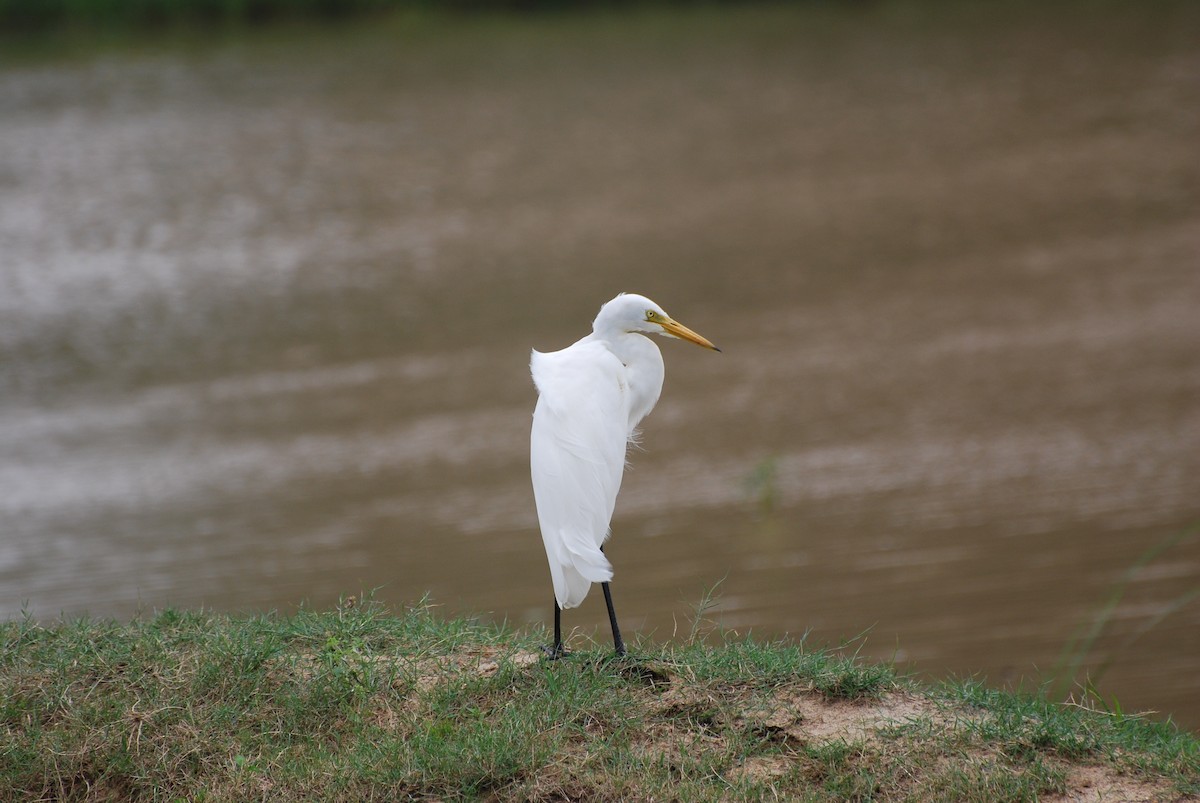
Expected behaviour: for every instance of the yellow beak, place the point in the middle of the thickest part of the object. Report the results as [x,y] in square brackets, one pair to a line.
[676,329]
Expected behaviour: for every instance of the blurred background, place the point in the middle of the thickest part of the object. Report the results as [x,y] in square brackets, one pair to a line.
[269,282]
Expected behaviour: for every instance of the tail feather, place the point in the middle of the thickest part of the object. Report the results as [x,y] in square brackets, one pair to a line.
[583,565]
[574,589]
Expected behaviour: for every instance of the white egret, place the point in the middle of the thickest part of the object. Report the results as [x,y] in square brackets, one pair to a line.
[591,397]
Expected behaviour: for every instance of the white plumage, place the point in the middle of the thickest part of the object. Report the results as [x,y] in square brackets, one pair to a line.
[591,397]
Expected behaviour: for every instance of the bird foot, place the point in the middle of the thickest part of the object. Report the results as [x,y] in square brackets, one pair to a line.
[647,672]
[555,652]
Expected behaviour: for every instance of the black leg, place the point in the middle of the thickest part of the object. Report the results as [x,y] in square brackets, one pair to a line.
[558,647]
[612,619]
[557,651]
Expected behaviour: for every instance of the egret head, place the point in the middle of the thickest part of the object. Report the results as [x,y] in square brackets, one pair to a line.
[630,312]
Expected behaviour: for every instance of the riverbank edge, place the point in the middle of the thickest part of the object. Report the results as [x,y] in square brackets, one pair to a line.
[361,703]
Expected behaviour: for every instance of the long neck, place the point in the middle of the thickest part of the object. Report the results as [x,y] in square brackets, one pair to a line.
[606,326]
[643,371]
[630,347]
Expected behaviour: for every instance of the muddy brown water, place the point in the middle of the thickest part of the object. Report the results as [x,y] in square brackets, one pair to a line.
[266,303]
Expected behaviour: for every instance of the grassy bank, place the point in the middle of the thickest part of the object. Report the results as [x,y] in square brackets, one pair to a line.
[361,704]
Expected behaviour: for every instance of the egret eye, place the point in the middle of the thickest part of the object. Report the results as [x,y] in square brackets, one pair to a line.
[651,315]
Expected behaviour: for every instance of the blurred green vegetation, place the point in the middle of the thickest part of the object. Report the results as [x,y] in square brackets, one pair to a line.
[38,15]
[48,15]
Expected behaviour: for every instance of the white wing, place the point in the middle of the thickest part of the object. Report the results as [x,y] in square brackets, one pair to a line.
[577,455]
